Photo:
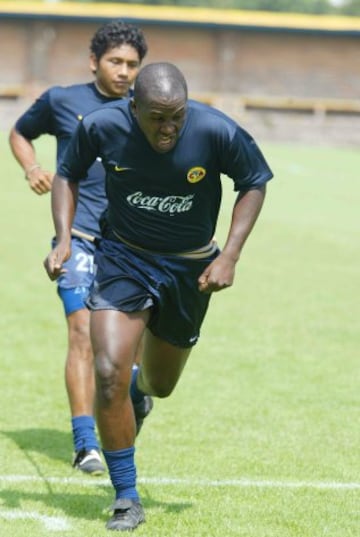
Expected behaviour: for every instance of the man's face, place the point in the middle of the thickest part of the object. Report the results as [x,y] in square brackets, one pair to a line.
[116,70]
[161,121]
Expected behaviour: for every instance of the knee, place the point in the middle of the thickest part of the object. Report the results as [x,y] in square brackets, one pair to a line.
[162,392]
[158,387]
[111,381]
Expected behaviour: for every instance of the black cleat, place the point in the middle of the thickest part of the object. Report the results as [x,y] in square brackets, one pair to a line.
[141,410]
[128,514]
[88,462]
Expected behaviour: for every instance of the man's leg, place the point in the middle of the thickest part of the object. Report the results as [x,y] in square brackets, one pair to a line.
[142,403]
[167,362]
[139,353]
[73,289]
[115,338]
[161,366]
[80,385]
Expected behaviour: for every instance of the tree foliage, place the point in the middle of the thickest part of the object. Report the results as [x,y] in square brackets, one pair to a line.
[319,7]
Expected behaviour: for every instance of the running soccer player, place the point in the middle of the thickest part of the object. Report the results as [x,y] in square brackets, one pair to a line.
[116,52]
[157,263]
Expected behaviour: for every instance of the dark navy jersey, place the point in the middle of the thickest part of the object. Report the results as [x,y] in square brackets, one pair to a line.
[166,202]
[57,112]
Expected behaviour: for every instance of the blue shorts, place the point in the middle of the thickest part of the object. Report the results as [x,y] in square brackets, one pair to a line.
[73,285]
[130,280]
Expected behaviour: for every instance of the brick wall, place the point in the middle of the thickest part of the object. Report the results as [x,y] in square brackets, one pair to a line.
[213,60]
[223,62]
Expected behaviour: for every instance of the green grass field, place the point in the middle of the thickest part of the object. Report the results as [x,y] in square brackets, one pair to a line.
[261,437]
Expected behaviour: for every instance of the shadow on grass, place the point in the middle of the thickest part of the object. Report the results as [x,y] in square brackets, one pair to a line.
[92,503]
[54,444]
[73,505]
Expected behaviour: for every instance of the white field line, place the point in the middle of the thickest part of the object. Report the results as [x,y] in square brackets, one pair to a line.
[240,483]
[51,523]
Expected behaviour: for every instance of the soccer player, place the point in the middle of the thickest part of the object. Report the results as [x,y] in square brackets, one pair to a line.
[116,52]
[157,263]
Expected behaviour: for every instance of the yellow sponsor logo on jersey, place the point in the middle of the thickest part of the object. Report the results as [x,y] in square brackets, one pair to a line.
[194,175]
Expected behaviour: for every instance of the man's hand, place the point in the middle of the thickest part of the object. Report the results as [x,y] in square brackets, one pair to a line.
[40,180]
[54,261]
[218,275]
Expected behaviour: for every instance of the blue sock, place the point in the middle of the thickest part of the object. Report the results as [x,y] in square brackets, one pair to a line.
[136,395]
[122,472]
[83,428]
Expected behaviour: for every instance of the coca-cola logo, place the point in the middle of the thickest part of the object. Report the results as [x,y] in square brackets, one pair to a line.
[167,204]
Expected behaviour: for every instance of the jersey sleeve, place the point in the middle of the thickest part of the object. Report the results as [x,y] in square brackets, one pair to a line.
[80,154]
[244,162]
[38,119]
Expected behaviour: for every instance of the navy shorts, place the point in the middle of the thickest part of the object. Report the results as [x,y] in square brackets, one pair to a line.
[130,280]
[73,285]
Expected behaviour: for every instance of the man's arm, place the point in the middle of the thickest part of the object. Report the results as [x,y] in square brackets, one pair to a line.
[221,272]
[24,151]
[63,204]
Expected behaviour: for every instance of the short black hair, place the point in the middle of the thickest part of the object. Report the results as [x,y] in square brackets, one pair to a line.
[115,33]
[161,78]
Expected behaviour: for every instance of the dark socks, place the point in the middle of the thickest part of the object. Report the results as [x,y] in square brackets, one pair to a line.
[122,472]
[83,428]
[136,395]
